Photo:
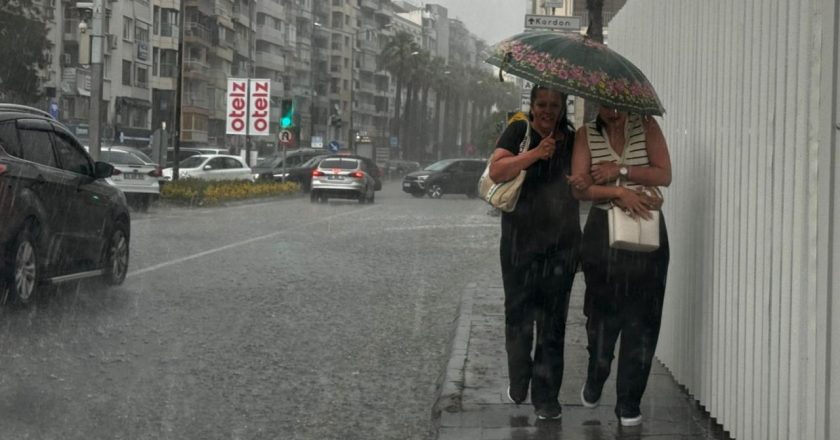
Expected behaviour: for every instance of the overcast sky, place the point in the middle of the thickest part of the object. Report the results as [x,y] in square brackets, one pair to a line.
[491,20]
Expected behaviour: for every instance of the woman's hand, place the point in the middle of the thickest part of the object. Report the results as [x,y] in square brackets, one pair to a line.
[580,182]
[546,147]
[633,203]
[603,172]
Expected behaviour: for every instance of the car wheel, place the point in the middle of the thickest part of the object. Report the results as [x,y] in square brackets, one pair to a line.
[144,202]
[116,256]
[372,197]
[417,194]
[23,267]
[435,191]
[313,196]
[363,197]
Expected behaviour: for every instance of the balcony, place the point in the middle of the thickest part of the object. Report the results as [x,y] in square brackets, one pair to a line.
[196,69]
[369,4]
[195,32]
[269,33]
[270,61]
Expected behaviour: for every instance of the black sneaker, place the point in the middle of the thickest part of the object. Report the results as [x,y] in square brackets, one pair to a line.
[589,397]
[551,411]
[630,416]
[517,395]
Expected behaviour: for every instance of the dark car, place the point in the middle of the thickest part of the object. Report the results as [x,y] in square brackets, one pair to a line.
[61,220]
[271,168]
[301,174]
[449,176]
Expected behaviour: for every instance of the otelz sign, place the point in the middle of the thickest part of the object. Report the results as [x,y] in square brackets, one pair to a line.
[241,119]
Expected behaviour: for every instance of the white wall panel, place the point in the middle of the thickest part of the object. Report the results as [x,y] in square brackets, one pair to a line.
[750,88]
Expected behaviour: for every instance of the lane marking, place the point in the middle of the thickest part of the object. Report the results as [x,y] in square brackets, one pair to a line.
[240,243]
[424,227]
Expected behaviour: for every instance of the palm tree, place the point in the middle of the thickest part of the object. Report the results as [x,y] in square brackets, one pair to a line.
[395,58]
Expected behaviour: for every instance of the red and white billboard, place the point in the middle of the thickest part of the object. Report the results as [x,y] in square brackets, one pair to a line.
[248,114]
[260,112]
[237,106]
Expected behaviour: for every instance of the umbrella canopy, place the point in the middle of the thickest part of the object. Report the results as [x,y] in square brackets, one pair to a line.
[579,66]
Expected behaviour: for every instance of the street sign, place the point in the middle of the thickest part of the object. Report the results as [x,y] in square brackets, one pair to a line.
[555,22]
[317,142]
[334,146]
[553,4]
[394,142]
[286,137]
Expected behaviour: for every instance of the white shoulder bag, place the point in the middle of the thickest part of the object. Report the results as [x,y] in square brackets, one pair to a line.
[504,195]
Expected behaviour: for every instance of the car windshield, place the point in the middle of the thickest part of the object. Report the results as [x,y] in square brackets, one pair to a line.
[143,157]
[340,163]
[437,166]
[119,157]
[192,162]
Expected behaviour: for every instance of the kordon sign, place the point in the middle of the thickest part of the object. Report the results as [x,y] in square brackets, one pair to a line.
[243,118]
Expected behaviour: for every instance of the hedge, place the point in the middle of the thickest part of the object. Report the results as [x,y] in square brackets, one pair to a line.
[197,192]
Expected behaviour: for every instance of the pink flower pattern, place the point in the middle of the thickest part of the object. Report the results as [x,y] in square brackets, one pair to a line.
[596,84]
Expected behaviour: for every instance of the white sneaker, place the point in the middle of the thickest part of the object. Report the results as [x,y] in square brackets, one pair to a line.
[631,421]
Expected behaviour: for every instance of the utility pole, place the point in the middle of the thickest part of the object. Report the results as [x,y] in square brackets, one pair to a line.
[94,116]
[179,101]
[250,74]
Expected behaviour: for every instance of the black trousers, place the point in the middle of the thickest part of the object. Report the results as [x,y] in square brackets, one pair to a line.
[624,295]
[537,292]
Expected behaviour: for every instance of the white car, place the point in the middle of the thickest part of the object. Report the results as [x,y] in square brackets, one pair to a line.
[135,174]
[212,167]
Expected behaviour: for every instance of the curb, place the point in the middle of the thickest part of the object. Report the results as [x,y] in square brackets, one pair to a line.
[452,385]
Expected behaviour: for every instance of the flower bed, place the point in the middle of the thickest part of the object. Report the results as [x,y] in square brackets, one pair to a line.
[197,192]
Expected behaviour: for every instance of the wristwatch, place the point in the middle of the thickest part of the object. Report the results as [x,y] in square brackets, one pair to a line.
[623,172]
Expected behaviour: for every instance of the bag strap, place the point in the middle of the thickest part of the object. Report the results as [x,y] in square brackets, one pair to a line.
[526,141]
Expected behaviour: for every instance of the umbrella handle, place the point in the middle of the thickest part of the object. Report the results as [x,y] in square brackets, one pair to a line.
[505,60]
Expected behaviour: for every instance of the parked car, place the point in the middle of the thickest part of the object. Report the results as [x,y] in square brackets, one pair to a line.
[212,167]
[301,174]
[273,165]
[375,171]
[209,150]
[61,220]
[135,174]
[449,176]
[399,168]
[342,177]
[183,153]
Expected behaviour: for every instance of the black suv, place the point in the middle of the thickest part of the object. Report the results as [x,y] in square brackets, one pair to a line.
[61,220]
[449,176]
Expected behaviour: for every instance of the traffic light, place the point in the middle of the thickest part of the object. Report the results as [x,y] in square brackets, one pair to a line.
[287,110]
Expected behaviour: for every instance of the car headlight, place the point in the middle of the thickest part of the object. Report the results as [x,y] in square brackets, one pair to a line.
[281,175]
[422,178]
[255,176]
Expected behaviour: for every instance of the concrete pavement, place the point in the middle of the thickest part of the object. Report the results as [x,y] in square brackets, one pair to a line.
[473,404]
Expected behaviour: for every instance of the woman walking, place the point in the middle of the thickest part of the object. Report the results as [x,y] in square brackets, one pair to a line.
[538,249]
[624,289]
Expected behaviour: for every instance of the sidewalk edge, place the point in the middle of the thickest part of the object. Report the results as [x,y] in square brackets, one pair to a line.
[452,385]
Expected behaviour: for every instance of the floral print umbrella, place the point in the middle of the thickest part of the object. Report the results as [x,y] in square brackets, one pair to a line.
[579,66]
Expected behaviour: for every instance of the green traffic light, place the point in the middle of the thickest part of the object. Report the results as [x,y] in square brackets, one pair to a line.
[286,121]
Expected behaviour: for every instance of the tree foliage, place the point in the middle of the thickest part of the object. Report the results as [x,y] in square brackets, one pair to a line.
[23,38]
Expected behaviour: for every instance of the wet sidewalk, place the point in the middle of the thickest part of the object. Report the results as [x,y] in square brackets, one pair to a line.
[473,404]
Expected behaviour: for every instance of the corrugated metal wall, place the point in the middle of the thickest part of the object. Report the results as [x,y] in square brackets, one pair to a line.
[751,209]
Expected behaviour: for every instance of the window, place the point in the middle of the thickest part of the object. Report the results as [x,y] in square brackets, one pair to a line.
[156,20]
[141,32]
[216,163]
[37,147]
[127,28]
[142,77]
[70,157]
[232,163]
[139,117]
[9,138]
[155,61]
[126,73]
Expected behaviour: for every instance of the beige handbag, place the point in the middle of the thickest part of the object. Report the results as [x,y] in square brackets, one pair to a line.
[503,195]
[634,234]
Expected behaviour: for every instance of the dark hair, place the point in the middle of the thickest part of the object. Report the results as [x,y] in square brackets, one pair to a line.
[563,124]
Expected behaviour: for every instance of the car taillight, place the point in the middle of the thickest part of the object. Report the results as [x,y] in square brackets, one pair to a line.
[3,168]
[357,175]
[116,172]
[317,173]
[156,172]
